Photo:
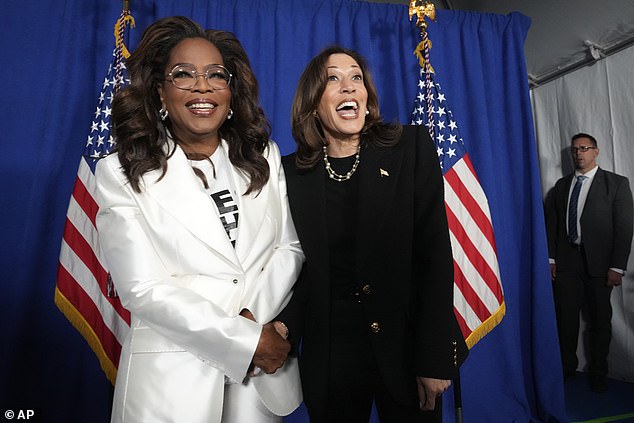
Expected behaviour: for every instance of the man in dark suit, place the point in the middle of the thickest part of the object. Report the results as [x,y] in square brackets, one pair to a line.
[589,227]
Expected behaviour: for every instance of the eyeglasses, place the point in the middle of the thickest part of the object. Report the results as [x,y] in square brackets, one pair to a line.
[186,76]
[582,148]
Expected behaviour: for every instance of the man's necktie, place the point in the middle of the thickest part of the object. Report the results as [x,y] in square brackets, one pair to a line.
[572,209]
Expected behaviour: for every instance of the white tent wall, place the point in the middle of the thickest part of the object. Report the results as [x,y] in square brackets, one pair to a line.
[599,100]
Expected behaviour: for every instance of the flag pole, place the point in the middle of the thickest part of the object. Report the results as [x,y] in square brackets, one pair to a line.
[121,51]
[423,9]
[457,391]
[426,9]
[457,394]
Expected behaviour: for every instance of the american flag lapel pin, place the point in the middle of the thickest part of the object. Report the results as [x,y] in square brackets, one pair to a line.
[383,172]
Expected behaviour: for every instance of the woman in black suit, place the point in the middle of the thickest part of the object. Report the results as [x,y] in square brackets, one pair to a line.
[373,307]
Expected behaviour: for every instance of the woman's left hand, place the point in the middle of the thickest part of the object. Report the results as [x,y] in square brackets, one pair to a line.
[429,389]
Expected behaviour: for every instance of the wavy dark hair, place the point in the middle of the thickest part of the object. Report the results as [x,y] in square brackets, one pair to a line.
[140,133]
[248,132]
[307,130]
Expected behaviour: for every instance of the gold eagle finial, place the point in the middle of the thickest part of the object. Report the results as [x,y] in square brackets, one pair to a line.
[422,9]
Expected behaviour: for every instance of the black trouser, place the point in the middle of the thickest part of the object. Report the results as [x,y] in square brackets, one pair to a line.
[576,290]
[354,378]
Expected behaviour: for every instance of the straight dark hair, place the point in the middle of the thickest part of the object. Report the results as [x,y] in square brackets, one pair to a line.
[582,135]
[307,130]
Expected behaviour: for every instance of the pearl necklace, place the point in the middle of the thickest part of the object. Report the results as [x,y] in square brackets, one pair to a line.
[334,175]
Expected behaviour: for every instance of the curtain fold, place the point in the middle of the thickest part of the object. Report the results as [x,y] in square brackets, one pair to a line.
[480,63]
[49,100]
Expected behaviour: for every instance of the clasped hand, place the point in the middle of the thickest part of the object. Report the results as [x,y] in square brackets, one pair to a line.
[272,349]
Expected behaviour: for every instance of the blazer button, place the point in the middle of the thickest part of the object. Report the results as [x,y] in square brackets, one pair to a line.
[367,289]
[375,327]
[235,281]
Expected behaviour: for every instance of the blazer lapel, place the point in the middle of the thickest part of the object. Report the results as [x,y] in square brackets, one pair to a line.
[251,208]
[595,193]
[598,184]
[379,175]
[307,192]
[564,194]
[181,194]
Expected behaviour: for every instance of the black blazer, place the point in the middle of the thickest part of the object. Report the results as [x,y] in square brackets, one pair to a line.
[606,223]
[403,255]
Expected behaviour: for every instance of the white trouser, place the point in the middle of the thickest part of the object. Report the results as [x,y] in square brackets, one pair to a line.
[242,404]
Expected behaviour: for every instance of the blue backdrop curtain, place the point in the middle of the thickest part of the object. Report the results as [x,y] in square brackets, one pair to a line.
[55,55]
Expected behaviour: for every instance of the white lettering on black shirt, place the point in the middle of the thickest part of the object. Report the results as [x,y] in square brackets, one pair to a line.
[221,190]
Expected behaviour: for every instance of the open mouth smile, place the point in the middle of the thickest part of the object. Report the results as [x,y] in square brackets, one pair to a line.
[201,106]
[348,109]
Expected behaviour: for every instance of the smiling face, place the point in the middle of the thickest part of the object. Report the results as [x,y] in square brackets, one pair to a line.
[343,103]
[197,113]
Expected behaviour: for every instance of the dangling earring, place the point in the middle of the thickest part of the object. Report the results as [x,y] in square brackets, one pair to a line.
[230,115]
[163,113]
[367,112]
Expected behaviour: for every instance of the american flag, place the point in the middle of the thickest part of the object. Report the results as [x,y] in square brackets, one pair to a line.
[84,291]
[478,297]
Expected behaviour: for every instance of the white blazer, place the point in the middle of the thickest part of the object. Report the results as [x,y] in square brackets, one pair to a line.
[176,271]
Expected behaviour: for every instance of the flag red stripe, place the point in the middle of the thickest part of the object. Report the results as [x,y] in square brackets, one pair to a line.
[474,256]
[467,160]
[84,251]
[470,203]
[85,200]
[489,233]
[82,285]
[462,324]
[470,295]
[478,294]
[87,308]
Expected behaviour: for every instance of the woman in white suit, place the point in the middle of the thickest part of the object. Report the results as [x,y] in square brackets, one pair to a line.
[195,229]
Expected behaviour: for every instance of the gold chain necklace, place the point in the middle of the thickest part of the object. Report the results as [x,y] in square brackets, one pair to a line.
[334,175]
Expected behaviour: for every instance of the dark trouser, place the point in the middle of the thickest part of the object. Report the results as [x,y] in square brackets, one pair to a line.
[573,291]
[354,378]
